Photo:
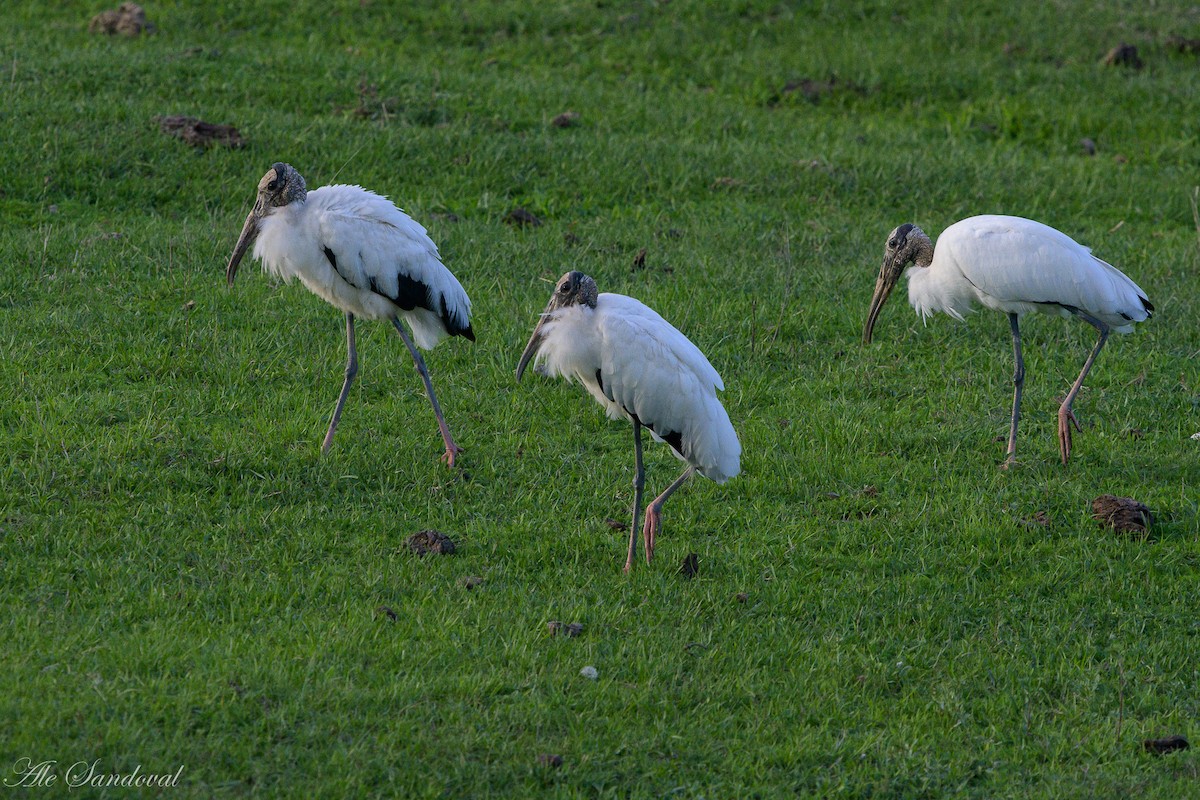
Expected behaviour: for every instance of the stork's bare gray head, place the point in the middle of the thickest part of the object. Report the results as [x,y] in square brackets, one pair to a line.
[906,245]
[572,289]
[281,185]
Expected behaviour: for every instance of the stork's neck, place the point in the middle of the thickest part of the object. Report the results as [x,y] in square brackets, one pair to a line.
[924,252]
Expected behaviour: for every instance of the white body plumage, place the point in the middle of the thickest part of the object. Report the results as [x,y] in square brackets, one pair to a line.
[362,254]
[635,363]
[1016,265]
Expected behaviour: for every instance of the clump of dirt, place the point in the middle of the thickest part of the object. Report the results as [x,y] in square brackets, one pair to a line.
[690,566]
[810,89]
[567,119]
[1123,514]
[522,218]
[388,612]
[1039,519]
[639,261]
[430,541]
[550,760]
[471,581]
[199,133]
[1181,44]
[568,629]
[1168,744]
[129,19]
[1123,55]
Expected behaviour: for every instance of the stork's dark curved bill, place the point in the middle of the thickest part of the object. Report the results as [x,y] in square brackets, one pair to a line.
[247,237]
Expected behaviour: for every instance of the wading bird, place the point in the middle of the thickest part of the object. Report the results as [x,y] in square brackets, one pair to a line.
[639,367]
[1016,266]
[361,254]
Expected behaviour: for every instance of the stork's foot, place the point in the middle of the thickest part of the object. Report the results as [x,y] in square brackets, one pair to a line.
[1066,418]
[650,530]
[1010,462]
[452,451]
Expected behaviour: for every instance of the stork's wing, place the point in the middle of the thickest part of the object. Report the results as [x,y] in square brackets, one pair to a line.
[653,371]
[379,248]
[1019,260]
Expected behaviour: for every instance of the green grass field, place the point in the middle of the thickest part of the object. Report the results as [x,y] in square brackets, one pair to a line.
[186,581]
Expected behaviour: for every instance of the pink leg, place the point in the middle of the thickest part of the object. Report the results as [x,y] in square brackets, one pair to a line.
[654,512]
[1066,417]
[452,449]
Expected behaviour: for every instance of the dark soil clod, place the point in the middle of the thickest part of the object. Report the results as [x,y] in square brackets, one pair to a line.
[199,133]
[551,760]
[741,597]
[129,19]
[522,218]
[471,581]
[1123,514]
[1184,45]
[423,542]
[1038,519]
[1123,55]
[388,612]
[616,524]
[639,261]
[1167,744]
[690,566]
[567,119]
[568,629]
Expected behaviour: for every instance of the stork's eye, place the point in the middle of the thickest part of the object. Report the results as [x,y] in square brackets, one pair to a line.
[566,287]
[275,184]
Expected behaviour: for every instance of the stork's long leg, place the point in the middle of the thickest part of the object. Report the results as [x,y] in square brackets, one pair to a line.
[654,512]
[1066,417]
[1018,383]
[639,481]
[452,449]
[351,371]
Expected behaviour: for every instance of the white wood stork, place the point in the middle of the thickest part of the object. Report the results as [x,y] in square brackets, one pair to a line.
[1016,266]
[360,253]
[638,367]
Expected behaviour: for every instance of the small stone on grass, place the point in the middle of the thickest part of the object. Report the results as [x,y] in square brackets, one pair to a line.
[591,673]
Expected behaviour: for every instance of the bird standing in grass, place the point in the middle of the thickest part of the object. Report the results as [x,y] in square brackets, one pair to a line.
[361,254]
[640,368]
[1016,266]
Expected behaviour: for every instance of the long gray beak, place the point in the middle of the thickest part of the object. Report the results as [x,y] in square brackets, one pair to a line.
[531,349]
[249,233]
[888,275]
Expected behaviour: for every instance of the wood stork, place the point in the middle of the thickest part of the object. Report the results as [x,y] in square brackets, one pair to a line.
[639,367]
[1016,266]
[360,253]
